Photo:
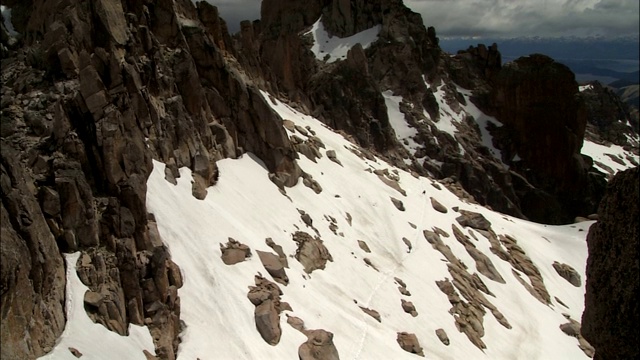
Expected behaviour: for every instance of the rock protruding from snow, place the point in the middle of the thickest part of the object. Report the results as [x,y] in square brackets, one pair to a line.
[408,307]
[278,249]
[437,206]
[274,267]
[474,220]
[398,204]
[568,273]
[319,344]
[234,252]
[363,245]
[409,343]
[266,298]
[520,261]
[442,335]
[311,253]
[402,287]
[373,313]
[390,179]
[483,263]
[572,328]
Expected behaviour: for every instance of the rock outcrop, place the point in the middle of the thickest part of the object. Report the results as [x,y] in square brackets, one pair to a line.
[319,344]
[611,315]
[544,120]
[234,252]
[32,273]
[265,295]
[409,343]
[311,252]
[91,94]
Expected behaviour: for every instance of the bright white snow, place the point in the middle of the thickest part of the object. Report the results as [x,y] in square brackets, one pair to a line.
[93,340]
[483,121]
[582,88]
[332,48]
[599,153]
[448,116]
[403,131]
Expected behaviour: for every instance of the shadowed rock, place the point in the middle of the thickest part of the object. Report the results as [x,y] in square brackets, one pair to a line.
[613,272]
[274,267]
[409,343]
[374,314]
[474,220]
[437,206]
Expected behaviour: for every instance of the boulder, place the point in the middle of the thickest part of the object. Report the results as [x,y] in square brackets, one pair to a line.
[319,346]
[409,308]
[409,343]
[474,220]
[442,335]
[234,252]
[568,273]
[265,295]
[437,206]
[274,267]
[311,252]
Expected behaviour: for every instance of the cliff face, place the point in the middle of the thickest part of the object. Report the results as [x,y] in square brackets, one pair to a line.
[544,118]
[611,314]
[96,91]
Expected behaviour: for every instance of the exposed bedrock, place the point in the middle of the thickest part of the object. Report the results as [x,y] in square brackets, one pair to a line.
[611,315]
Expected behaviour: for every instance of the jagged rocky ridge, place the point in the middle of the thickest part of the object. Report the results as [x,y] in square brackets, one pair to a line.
[93,91]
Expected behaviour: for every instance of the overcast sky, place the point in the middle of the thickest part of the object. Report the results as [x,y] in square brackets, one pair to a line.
[498,18]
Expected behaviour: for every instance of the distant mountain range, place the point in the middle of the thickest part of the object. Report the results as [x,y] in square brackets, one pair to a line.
[594,58]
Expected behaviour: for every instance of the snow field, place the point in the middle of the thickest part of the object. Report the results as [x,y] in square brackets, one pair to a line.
[337,48]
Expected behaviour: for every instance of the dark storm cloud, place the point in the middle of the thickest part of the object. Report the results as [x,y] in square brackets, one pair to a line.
[497,18]
[509,18]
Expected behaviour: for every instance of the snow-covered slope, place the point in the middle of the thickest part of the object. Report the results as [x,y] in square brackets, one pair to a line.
[92,340]
[248,207]
[355,204]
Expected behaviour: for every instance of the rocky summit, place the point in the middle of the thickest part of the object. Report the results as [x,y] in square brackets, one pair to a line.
[325,183]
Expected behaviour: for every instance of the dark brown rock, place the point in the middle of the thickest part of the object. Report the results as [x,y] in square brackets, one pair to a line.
[437,206]
[274,266]
[32,273]
[319,346]
[265,295]
[234,252]
[409,308]
[613,272]
[474,220]
[373,313]
[409,343]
